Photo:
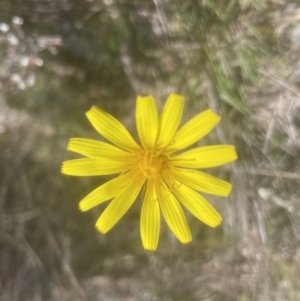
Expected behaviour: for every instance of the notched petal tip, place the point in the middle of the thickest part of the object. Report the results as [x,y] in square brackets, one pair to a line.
[232,153]
[176,96]
[214,113]
[229,189]
[235,152]
[187,241]
[217,223]
[87,113]
[62,168]
[69,143]
[99,229]
[81,208]
[145,97]
[152,249]
[91,112]
[217,118]
[93,108]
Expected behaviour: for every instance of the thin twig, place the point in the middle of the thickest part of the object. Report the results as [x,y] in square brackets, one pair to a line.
[271,173]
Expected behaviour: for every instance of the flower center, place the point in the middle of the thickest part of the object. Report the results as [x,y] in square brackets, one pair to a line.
[151,164]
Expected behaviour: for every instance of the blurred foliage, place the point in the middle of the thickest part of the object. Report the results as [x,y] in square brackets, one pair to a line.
[61,57]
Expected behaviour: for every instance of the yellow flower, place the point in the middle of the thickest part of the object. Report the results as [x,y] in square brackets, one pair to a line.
[170,177]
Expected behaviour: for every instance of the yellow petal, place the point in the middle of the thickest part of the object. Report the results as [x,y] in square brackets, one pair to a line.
[195,129]
[91,167]
[150,218]
[173,214]
[169,120]
[111,129]
[146,120]
[197,205]
[119,205]
[97,149]
[206,156]
[105,192]
[202,181]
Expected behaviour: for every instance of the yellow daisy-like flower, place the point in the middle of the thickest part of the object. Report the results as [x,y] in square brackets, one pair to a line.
[170,178]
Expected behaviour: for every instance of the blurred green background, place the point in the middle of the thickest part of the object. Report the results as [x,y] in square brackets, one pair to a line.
[59,58]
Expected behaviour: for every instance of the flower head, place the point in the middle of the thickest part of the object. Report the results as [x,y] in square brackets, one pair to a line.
[171,179]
